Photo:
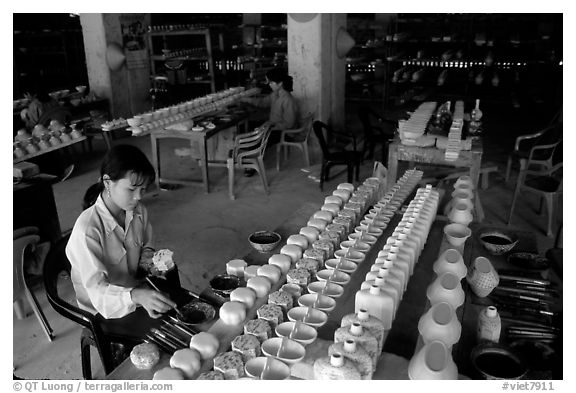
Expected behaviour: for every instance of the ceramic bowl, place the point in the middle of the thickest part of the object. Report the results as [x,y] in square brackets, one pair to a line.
[320,302]
[371,230]
[335,276]
[223,284]
[496,361]
[350,254]
[307,315]
[456,234]
[356,245]
[284,349]
[299,332]
[134,121]
[366,238]
[264,241]
[196,312]
[275,369]
[498,242]
[332,290]
[346,265]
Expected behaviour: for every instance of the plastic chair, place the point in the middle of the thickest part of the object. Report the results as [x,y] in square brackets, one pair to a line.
[374,134]
[526,148]
[57,265]
[248,152]
[297,137]
[334,153]
[24,241]
[547,182]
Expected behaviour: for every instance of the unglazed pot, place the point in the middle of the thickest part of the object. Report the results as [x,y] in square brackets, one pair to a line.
[465,179]
[450,261]
[460,214]
[482,277]
[456,234]
[446,288]
[433,362]
[440,323]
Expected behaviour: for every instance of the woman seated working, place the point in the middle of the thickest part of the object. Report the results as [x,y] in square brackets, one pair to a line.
[283,107]
[112,240]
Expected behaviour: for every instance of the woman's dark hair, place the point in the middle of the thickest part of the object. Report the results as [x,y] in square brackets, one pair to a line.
[120,160]
[280,75]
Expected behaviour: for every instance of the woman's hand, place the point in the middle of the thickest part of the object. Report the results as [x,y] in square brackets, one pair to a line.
[156,303]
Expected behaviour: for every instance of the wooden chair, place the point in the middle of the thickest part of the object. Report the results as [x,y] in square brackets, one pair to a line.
[377,130]
[297,137]
[248,152]
[334,153]
[526,148]
[24,241]
[546,182]
[56,267]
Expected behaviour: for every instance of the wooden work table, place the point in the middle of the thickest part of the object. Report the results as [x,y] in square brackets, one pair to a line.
[402,340]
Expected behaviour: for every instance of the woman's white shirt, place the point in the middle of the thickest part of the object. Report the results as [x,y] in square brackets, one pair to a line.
[104,258]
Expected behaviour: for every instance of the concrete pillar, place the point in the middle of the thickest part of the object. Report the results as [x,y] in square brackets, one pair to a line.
[318,72]
[127,89]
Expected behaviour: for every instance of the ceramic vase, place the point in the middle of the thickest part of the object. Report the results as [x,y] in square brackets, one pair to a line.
[433,362]
[368,322]
[450,261]
[460,214]
[446,288]
[489,325]
[482,277]
[457,234]
[440,323]
[355,353]
[335,367]
[362,337]
[379,303]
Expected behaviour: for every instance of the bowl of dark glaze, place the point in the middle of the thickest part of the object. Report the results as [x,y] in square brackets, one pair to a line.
[264,241]
[224,284]
[196,312]
[498,242]
[495,361]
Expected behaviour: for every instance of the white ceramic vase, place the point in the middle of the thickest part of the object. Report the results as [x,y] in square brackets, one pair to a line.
[440,323]
[465,179]
[433,362]
[446,288]
[456,234]
[482,277]
[450,261]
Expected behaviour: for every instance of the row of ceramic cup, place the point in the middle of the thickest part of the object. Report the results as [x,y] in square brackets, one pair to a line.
[460,208]
[356,348]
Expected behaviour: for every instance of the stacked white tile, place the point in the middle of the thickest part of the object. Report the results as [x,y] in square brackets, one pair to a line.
[455,135]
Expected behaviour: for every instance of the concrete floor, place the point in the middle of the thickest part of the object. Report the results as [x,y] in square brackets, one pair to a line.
[207,230]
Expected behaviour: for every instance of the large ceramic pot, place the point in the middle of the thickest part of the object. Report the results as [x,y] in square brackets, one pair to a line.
[433,362]
[482,277]
[440,323]
[446,288]
[450,261]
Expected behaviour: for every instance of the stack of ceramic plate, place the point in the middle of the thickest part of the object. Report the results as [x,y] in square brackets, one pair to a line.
[414,127]
[455,135]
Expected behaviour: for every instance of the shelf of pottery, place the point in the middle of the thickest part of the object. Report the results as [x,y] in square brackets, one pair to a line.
[183,113]
[44,139]
[274,343]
